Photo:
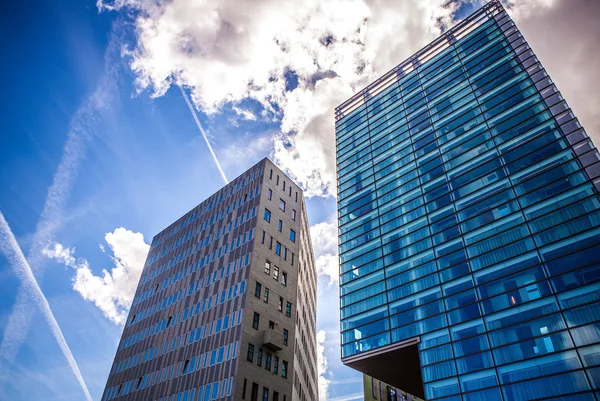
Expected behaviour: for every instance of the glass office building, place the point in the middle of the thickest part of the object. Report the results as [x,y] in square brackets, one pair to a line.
[469,225]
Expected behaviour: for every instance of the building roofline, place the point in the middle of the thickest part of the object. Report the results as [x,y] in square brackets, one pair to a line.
[430,50]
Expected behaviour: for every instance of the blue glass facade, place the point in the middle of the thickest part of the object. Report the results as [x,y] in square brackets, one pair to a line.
[469,222]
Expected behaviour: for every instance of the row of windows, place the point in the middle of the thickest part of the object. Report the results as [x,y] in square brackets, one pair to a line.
[269,360]
[207,224]
[209,329]
[428,163]
[279,249]
[203,244]
[201,306]
[507,225]
[407,83]
[191,289]
[275,273]
[194,364]
[205,393]
[411,205]
[207,206]
[265,297]
[283,187]
[410,92]
[265,393]
[488,78]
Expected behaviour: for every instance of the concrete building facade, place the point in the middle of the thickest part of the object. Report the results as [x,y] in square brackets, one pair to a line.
[226,305]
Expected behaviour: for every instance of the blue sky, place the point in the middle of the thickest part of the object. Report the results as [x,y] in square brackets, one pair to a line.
[96,139]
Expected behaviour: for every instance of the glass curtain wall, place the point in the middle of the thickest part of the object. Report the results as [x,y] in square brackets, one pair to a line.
[468,216]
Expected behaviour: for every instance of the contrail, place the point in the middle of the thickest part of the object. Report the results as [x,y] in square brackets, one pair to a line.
[80,134]
[10,248]
[187,100]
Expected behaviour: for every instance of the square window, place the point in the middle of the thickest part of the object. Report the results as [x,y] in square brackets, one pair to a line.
[282,204]
[267,215]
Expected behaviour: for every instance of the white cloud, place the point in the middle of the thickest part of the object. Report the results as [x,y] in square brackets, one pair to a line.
[112,291]
[227,51]
[325,245]
[322,366]
[244,113]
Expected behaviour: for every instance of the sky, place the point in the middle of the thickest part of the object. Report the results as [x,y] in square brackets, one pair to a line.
[99,150]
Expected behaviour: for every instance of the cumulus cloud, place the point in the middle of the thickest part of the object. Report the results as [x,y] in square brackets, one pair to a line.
[112,291]
[325,245]
[322,366]
[227,51]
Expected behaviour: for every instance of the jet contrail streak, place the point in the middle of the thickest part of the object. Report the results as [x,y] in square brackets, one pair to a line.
[14,254]
[212,152]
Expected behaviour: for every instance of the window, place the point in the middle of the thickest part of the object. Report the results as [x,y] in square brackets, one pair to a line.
[285,251]
[244,389]
[278,248]
[290,193]
[284,185]
[284,279]
[267,215]
[269,194]
[293,215]
[288,309]
[271,243]
[266,297]
[280,226]
[263,237]
[268,267]
[257,290]
[268,361]
[271,324]
[254,395]
[276,365]
[277,180]
[275,273]
[292,261]
[285,337]
[292,235]
[284,366]
[275,396]
[259,357]
[271,174]
[280,306]
[265,394]
[282,204]
[296,196]
[256,320]
[250,355]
